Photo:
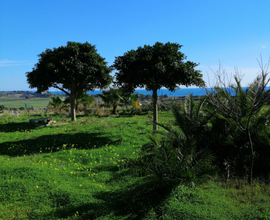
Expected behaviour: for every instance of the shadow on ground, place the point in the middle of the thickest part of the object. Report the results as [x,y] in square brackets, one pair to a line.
[53,143]
[132,202]
[13,127]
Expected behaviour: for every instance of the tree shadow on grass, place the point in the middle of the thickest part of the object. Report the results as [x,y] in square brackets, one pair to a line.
[13,127]
[53,143]
[131,202]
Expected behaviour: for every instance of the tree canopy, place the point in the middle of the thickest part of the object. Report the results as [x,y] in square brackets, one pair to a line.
[73,69]
[154,67]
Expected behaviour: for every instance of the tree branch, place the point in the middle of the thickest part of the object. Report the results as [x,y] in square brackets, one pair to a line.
[56,86]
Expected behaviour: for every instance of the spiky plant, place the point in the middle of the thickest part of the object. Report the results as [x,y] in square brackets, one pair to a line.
[172,156]
[241,106]
[56,103]
[111,97]
[130,100]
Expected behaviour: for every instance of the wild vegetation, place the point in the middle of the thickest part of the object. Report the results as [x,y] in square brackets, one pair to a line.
[80,171]
[208,160]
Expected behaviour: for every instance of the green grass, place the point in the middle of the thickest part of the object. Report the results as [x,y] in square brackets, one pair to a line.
[74,172]
[19,102]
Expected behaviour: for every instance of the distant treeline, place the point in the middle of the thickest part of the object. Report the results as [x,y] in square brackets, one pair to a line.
[26,94]
[165,97]
[30,94]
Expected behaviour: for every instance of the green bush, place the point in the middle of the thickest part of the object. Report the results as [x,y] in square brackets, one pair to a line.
[173,157]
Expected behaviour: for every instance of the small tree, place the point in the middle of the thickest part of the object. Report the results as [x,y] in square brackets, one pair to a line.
[154,67]
[233,103]
[56,102]
[111,97]
[131,100]
[73,69]
[85,100]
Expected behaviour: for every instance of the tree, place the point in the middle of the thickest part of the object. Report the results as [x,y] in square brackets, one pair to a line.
[111,97]
[154,67]
[233,103]
[57,103]
[73,69]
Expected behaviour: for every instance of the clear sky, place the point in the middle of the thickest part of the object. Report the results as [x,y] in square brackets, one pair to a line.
[231,32]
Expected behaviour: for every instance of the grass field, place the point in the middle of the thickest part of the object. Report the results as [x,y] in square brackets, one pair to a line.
[74,171]
[19,102]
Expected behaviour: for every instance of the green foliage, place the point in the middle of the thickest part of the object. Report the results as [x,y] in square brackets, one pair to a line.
[162,107]
[86,100]
[113,97]
[82,99]
[241,108]
[154,67]
[229,203]
[71,171]
[174,158]
[190,119]
[131,100]
[56,103]
[68,66]
[173,165]
[73,69]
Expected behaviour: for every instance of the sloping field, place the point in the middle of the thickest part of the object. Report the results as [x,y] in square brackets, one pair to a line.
[15,102]
[76,171]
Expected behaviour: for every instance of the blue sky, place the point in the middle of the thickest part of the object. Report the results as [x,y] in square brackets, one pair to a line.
[233,33]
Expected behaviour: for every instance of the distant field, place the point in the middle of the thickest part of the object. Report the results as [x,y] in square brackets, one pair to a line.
[17,102]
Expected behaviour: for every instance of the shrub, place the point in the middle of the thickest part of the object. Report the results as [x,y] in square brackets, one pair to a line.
[174,157]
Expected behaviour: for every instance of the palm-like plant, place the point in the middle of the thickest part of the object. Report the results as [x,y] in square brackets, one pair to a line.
[112,97]
[130,100]
[84,99]
[56,103]
[173,158]
[191,120]
[233,103]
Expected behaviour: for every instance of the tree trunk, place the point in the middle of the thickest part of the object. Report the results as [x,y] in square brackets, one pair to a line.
[114,110]
[72,107]
[252,158]
[155,110]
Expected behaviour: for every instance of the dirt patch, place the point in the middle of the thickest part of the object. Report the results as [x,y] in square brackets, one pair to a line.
[60,123]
